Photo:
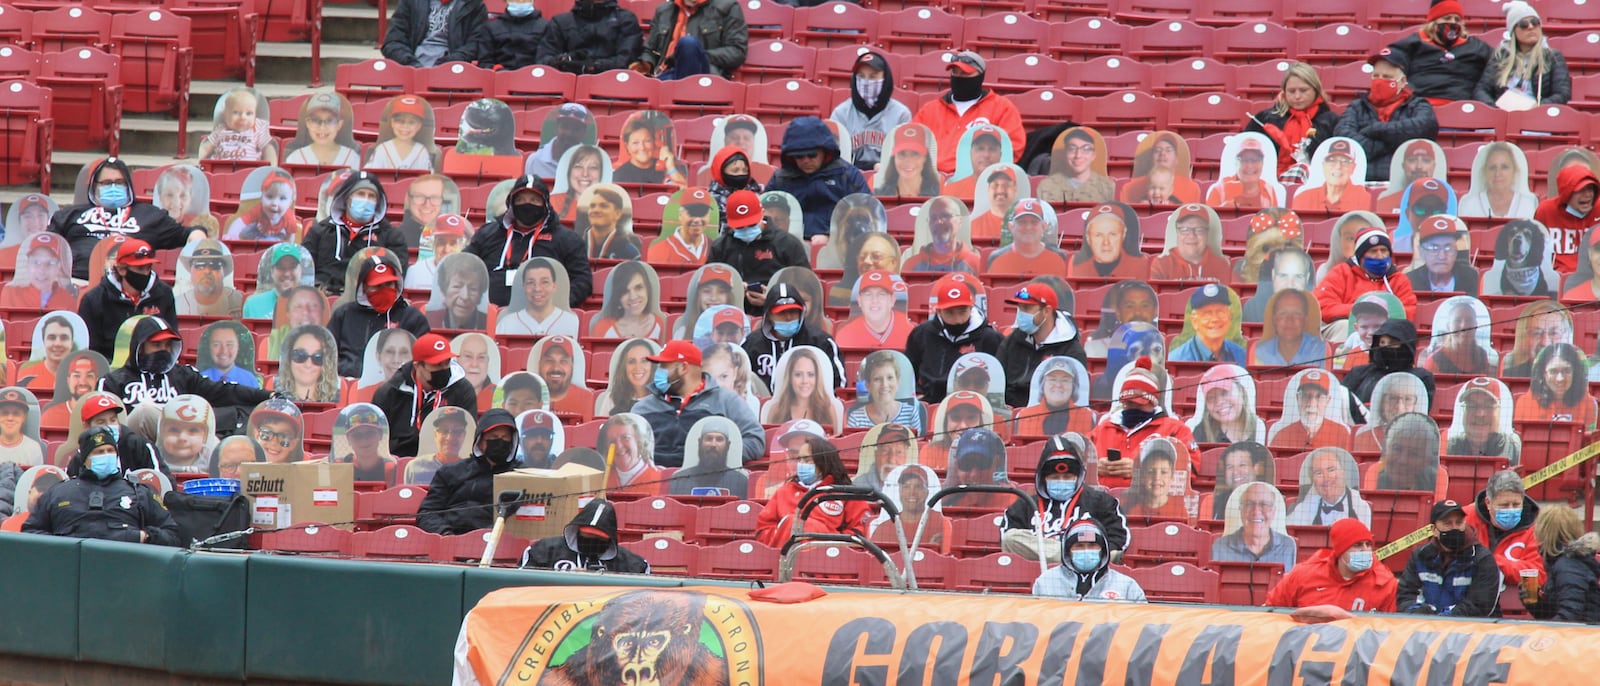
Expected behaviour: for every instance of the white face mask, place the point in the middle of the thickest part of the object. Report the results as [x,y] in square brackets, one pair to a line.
[869,89]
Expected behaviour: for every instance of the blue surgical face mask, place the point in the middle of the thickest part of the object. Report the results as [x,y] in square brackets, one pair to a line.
[114,197]
[748,234]
[1062,490]
[519,9]
[787,329]
[805,473]
[1508,517]
[1360,560]
[1085,560]
[105,465]
[362,209]
[1026,324]
[1376,266]
[661,381]
[1574,211]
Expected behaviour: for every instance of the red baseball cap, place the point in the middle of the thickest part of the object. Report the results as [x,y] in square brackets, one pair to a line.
[165,333]
[954,294]
[135,253]
[743,210]
[97,404]
[431,348]
[381,273]
[677,351]
[1035,294]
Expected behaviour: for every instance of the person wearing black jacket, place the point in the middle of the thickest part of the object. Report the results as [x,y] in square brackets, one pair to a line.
[783,328]
[596,36]
[1300,119]
[377,306]
[1063,496]
[152,375]
[511,40]
[755,248]
[426,33]
[528,230]
[461,496]
[429,381]
[1394,350]
[355,220]
[128,288]
[934,345]
[589,543]
[1448,62]
[101,502]
[715,28]
[1387,115]
[136,452]
[1451,575]
[1572,593]
[113,210]
[1041,331]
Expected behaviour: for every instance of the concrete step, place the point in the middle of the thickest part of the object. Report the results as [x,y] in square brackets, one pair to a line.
[203,96]
[153,135]
[290,63]
[355,24]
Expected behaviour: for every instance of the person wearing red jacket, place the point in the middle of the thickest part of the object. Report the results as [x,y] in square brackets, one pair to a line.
[1502,518]
[1371,269]
[969,104]
[816,463]
[1345,575]
[1136,417]
[1569,214]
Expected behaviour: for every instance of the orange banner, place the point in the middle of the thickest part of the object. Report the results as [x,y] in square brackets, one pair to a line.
[666,637]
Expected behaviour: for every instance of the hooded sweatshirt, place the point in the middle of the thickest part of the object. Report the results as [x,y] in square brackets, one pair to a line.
[765,347]
[511,42]
[503,247]
[84,225]
[1363,380]
[1101,583]
[567,553]
[461,497]
[333,242]
[133,386]
[817,192]
[1574,589]
[869,122]
[112,302]
[719,185]
[1564,229]
[1348,280]
[1515,549]
[1318,582]
[406,405]
[355,322]
[1020,354]
[948,123]
[1056,516]
[933,352]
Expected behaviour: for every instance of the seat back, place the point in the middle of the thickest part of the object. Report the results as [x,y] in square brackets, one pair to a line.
[618,90]
[17,62]
[66,28]
[16,27]
[533,86]
[452,83]
[25,133]
[87,97]
[157,59]
[372,80]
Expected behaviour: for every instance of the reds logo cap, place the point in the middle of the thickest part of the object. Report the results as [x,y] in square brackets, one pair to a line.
[449,226]
[744,210]
[677,351]
[96,404]
[538,422]
[694,196]
[13,396]
[190,409]
[954,294]
[135,253]
[1191,210]
[716,273]
[1315,379]
[380,273]
[1035,294]
[879,278]
[431,348]
[1438,225]
[911,137]
[1028,207]
[1341,147]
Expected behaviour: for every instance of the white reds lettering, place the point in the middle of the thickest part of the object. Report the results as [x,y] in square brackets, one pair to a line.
[100,221]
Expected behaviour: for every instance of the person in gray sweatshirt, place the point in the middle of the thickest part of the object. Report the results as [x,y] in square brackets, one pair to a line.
[872,111]
[1085,573]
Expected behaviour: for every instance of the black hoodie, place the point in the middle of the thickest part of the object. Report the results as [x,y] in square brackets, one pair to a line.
[1058,515]
[765,347]
[562,553]
[231,402]
[551,240]
[115,508]
[355,322]
[106,306]
[332,242]
[461,497]
[1363,380]
[510,42]
[933,352]
[84,225]
[398,399]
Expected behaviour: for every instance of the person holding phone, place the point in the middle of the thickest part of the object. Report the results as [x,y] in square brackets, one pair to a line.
[755,248]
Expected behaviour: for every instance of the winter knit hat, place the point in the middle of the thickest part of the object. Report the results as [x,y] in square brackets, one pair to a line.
[1516,11]
[1346,533]
[1444,8]
[1140,380]
[1372,238]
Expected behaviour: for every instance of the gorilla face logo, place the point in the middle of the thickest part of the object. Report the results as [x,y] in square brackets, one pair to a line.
[648,638]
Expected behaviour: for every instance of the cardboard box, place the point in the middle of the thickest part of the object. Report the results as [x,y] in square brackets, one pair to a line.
[552,497]
[286,494]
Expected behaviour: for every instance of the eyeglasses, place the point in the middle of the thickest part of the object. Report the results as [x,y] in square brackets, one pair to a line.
[1079,149]
[301,357]
[322,121]
[430,199]
[1529,23]
[1193,230]
[265,436]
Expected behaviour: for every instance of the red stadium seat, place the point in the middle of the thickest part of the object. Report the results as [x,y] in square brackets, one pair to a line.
[974,536]
[308,537]
[1346,81]
[1253,42]
[1151,11]
[927,74]
[293,20]
[1043,107]
[618,90]
[1315,14]
[373,80]
[17,62]
[1169,41]
[399,541]
[776,103]
[1547,126]
[1086,39]
[1204,115]
[1237,12]
[1005,34]
[738,560]
[834,564]
[1464,122]
[699,96]
[1002,572]
[1547,442]
[16,27]
[397,505]
[1567,16]
[647,515]
[452,83]
[66,28]
[157,64]
[933,571]
[666,555]
[86,98]
[1069,10]
[1159,544]
[1582,51]
[1337,44]
[778,59]
[1106,75]
[1397,513]
[726,522]
[468,548]
[1398,15]
[534,86]
[1177,582]
[767,20]
[920,30]
[835,24]
[224,33]
[1585,92]
[1120,113]
[1257,82]
[1191,77]
[26,134]
[1246,583]
[1023,73]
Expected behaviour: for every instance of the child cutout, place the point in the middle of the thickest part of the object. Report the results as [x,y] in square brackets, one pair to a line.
[42,279]
[405,136]
[325,137]
[184,192]
[266,208]
[239,130]
[361,438]
[1162,172]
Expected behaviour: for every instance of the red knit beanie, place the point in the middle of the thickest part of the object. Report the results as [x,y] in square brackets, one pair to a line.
[1141,380]
[1444,8]
[1345,533]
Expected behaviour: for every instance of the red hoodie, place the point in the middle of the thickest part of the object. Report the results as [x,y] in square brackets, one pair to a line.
[1565,230]
[1318,582]
[835,517]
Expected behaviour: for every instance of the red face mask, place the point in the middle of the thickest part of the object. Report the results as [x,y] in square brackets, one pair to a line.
[1383,90]
[383,298]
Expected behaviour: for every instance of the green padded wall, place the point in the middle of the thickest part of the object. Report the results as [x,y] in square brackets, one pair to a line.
[40,614]
[207,636]
[130,592]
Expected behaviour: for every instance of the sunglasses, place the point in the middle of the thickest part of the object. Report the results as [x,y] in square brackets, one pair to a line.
[1528,23]
[208,265]
[301,357]
[807,155]
[268,436]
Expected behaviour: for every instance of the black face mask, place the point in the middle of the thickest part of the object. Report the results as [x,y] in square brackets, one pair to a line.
[528,214]
[1448,34]
[964,88]
[137,280]
[589,10]
[592,547]
[1395,358]
[1453,540]
[1132,417]
[439,379]
[955,330]
[159,362]
[498,451]
[736,181]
